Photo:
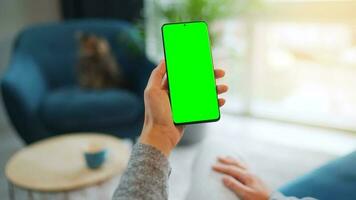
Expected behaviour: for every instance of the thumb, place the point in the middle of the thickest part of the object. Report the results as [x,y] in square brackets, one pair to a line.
[157,75]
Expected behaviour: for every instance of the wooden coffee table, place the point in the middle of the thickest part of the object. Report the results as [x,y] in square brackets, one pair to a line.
[55,168]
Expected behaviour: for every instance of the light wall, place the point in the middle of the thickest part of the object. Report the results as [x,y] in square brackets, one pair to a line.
[17,14]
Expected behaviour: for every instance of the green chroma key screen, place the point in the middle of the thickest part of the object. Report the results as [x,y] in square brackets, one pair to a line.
[190,72]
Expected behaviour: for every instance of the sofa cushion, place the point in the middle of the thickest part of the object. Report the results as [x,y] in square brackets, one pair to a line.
[75,109]
[335,180]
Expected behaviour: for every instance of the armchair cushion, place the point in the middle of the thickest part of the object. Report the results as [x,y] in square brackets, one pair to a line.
[75,109]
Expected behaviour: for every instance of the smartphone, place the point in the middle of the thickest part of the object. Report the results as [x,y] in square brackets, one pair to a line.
[190,72]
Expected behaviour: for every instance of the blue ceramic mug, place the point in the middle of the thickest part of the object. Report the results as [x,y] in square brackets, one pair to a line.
[96,159]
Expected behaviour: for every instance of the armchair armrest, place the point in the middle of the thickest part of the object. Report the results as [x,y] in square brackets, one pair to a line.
[23,87]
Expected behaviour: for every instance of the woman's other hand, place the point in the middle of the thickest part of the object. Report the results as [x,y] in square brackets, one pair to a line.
[239,179]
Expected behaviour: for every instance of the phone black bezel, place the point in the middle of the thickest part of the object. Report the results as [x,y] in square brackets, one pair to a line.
[164,51]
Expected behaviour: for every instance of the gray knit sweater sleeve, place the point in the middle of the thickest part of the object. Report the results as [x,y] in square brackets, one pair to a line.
[146,176]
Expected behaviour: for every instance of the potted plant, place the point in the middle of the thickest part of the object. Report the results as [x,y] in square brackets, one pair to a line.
[202,10]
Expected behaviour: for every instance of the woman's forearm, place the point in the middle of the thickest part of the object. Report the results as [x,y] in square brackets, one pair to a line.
[146,176]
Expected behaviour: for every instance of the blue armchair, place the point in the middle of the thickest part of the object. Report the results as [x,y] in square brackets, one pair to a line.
[40,88]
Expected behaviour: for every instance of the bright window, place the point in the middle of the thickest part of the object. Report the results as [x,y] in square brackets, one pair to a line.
[301,63]
[306,72]
[294,60]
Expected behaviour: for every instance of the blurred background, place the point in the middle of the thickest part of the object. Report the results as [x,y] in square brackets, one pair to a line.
[291,68]
[286,60]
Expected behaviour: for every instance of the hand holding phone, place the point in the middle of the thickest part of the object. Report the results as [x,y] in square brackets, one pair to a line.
[159,130]
[190,73]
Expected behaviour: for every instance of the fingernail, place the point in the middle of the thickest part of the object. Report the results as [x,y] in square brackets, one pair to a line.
[222,158]
[225,180]
[215,166]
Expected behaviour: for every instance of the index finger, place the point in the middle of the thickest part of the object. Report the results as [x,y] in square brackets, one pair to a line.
[231,170]
[157,75]
[219,73]
[231,161]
